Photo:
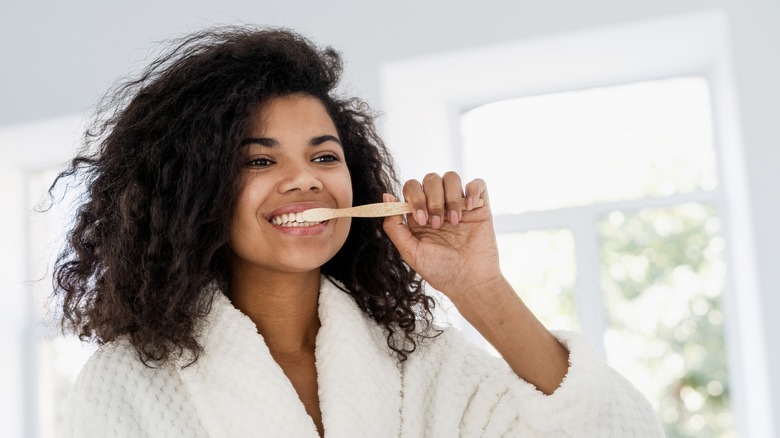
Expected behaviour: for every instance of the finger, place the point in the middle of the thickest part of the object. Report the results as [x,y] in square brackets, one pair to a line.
[434,195]
[387,197]
[414,195]
[399,234]
[453,193]
[476,189]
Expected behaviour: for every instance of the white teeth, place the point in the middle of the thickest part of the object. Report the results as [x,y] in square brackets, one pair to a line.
[292,220]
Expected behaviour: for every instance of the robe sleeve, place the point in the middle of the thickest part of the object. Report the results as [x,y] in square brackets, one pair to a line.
[458,389]
[116,395]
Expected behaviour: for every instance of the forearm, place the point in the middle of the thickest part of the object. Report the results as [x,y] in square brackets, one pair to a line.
[532,352]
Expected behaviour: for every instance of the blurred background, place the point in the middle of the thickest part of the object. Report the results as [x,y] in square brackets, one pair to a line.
[631,150]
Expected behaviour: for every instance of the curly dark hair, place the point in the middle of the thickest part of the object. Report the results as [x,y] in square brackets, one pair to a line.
[161,165]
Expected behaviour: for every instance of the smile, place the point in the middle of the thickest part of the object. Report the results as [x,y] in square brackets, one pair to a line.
[292,220]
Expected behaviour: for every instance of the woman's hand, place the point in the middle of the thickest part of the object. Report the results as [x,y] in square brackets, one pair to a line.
[454,251]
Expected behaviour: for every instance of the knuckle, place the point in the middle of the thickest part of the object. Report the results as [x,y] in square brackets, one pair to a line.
[411,185]
[451,174]
[432,177]
[476,184]
[436,206]
[453,204]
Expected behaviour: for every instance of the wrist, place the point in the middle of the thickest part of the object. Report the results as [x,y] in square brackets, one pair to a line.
[479,301]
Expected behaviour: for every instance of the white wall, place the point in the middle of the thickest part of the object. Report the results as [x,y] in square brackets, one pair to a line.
[14,327]
[59,60]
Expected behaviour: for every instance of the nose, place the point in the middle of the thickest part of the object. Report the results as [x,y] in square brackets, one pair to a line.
[300,177]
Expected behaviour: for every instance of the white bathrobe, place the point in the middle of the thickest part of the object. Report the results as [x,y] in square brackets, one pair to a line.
[447,388]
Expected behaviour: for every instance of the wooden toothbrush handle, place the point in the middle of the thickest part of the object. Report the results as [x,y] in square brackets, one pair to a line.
[382,209]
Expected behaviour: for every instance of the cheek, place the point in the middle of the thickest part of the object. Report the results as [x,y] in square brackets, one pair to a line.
[346,189]
[245,210]
[344,228]
[340,234]
[240,214]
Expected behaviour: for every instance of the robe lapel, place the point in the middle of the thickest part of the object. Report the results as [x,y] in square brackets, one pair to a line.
[359,380]
[236,386]
[239,390]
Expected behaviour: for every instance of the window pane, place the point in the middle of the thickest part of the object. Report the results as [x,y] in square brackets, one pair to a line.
[540,265]
[645,139]
[662,273]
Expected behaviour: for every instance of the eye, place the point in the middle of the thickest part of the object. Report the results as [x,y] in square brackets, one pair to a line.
[326,158]
[259,162]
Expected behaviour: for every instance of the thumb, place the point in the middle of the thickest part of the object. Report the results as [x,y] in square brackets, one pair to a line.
[399,233]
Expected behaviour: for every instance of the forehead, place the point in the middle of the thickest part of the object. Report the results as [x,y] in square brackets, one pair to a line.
[298,113]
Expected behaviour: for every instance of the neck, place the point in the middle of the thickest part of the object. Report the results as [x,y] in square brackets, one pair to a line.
[282,306]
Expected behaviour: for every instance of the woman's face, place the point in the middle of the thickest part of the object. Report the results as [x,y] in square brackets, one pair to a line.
[292,161]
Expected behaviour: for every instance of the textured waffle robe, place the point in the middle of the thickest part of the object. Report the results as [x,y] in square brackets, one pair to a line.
[447,388]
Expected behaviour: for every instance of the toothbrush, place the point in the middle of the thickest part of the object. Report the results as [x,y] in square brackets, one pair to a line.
[380,209]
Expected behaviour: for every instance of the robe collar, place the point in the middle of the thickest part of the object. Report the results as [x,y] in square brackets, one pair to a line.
[239,390]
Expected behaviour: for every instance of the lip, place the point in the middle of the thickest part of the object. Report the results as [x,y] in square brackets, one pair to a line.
[302,231]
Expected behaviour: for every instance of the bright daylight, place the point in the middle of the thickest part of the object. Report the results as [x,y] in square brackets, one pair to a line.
[613,153]
[611,270]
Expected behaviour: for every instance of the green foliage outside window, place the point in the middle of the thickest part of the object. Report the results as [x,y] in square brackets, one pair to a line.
[662,275]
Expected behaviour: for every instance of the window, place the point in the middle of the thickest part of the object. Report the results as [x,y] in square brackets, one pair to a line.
[598,227]
[634,165]
[605,144]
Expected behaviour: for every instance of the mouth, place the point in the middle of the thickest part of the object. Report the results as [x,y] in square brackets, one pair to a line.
[294,220]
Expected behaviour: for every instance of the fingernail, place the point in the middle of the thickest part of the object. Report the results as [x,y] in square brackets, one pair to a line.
[435,222]
[453,217]
[420,216]
[469,203]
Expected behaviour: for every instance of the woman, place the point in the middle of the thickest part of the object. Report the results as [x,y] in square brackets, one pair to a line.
[219,315]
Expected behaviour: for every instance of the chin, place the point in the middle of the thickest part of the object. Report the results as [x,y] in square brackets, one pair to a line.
[303,263]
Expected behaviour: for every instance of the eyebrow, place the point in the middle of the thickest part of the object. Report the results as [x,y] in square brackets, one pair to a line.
[271,143]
